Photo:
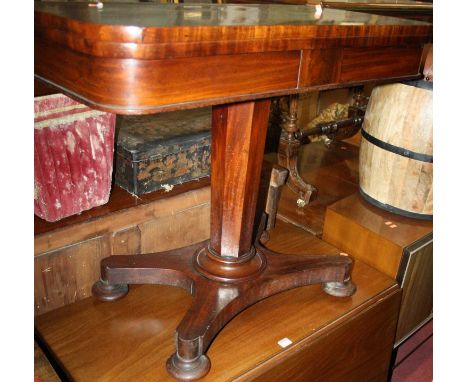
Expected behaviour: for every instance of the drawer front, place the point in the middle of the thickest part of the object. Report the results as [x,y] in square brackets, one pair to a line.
[371,63]
[319,67]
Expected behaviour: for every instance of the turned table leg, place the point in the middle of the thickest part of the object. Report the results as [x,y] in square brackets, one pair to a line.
[288,154]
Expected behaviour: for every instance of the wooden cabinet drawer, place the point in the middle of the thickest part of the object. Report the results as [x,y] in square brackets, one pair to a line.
[375,63]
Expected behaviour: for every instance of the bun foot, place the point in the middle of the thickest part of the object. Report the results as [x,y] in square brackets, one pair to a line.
[339,289]
[188,370]
[104,291]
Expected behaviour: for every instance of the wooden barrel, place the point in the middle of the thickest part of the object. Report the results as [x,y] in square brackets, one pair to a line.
[395,160]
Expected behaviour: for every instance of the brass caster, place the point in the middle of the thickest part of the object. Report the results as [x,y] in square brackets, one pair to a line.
[301,203]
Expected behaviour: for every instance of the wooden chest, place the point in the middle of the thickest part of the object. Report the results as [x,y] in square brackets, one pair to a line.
[161,150]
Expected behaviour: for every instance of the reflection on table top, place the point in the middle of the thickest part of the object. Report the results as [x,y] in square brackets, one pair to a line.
[395,3]
[169,15]
[388,7]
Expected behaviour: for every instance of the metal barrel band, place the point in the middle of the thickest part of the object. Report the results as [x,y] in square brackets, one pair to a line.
[392,209]
[396,149]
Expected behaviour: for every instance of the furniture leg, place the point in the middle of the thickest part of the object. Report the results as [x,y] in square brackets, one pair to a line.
[277,180]
[214,303]
[288,153]
[228,273]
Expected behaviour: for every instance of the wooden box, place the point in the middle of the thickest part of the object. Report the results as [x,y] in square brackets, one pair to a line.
[398,246]
[73,157]
[161,150]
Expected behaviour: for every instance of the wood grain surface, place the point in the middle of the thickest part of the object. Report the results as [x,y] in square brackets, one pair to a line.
[398,246]
[171,30]
[84,229]
[400,115]
[67,258]
[66,275]
[327,358]
[367,64]
[68,252]
[361,229]
[127,339]
[119,200]
[238,141]
[140,84]
[417,283]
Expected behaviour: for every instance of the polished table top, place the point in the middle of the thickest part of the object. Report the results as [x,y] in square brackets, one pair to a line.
[380,4]
[237,52]
[399,8]
[191,14]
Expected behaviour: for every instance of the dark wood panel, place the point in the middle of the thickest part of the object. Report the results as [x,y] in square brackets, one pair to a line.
[319,67]
[239,129]
[417,284]
[367,63]
[210,44]
[142,62]
[41,89]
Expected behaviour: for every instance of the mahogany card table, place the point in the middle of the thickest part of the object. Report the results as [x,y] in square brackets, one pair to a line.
[141,58]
